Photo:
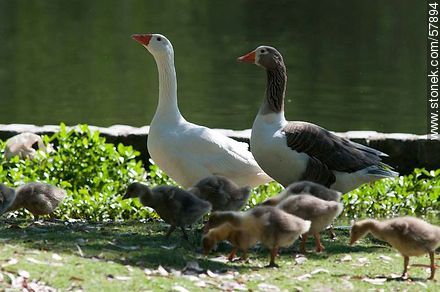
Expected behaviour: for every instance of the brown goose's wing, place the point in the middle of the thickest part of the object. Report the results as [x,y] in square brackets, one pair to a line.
[328,152]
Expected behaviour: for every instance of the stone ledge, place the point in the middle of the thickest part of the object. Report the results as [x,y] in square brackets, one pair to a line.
[406,151]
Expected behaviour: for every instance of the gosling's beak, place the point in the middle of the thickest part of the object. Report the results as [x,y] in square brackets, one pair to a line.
[352,241]
[143,39]
[125,196]
[248,58]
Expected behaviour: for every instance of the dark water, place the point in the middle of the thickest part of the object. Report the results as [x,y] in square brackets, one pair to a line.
[352,65]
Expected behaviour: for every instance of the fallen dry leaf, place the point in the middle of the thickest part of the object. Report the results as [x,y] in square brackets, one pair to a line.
[232,286]
[267,287]
[122,278]
[300,259]
[24,274]
[220,259]
[384,258]
[11,261]
[319,270]
[304,277]
[179,288]
[56,257]
[80,252]
[134,247]
[346,258]
[211,274]
[192,267]
[375,281]
[169,247]
[162,272]
[35,261]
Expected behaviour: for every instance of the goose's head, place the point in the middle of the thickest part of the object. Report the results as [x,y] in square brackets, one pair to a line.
[157,44]
[264,56]
[136,190]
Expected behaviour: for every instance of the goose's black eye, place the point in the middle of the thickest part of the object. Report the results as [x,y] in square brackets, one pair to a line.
[263,51]
[159,39]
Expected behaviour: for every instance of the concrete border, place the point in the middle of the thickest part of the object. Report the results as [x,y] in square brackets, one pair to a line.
[406,151]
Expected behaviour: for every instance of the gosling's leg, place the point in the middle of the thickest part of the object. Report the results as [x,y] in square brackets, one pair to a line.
[273,254]
[319,246]
[302,248]
[244,256]
[431,255]
[232,254]
[405,267]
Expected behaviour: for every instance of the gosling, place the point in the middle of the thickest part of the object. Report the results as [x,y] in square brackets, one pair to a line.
[37,198]
[321,213]
[270,225]
[240,240]
[222,193]
[409,235]
[175,206]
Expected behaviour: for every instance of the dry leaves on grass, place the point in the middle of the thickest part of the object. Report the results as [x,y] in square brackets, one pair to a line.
[10,262]
[375,281]
[267,287]
[300,259]
[346,258]
[37,262]
[20,281]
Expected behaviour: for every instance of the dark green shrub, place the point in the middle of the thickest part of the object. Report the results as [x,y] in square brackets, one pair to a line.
[414,194]
[94,174]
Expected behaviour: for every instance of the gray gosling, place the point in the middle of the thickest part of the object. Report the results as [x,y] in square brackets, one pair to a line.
[270,225]
[321,213]
[37,198]
[310,188]
[221,192]
[409,235]
[175,206]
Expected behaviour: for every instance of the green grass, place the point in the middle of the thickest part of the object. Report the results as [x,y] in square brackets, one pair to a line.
[113,256]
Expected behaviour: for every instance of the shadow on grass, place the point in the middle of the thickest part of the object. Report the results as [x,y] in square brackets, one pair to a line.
[129,243]
[144,244]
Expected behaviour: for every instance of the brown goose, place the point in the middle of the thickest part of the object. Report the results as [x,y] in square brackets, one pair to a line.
[221,192]
[175,206]
[270,225]
[37,198]
[293,151]
[410,236]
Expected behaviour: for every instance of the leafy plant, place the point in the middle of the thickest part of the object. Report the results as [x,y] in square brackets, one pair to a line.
[94,174]
[415,194]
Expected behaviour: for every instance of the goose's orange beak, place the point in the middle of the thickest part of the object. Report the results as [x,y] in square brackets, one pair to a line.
[143,39]
[248,58]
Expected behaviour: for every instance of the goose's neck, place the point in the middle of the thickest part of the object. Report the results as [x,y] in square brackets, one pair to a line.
[374,226]
[275,90]
[167,88]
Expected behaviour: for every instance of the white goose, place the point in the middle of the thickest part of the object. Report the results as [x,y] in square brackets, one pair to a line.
[293,151]
[185,151]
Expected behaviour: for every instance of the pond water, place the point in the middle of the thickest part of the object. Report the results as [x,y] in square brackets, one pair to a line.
[352,65]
